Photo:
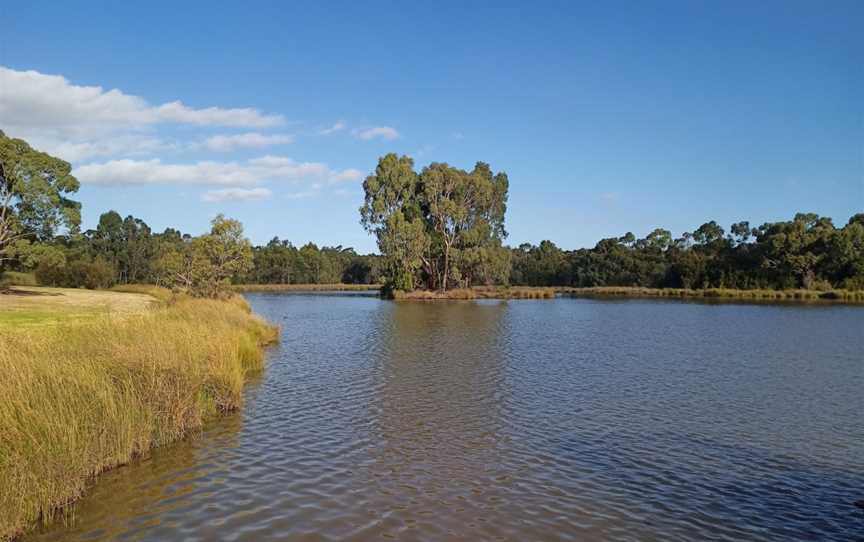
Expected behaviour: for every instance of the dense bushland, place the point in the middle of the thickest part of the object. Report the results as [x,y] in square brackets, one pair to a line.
[436,229]
[807,252]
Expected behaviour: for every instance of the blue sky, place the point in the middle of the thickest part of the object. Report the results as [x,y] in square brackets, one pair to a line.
[607,116]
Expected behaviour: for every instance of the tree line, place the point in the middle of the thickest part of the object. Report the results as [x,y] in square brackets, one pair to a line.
[40,233]
[807,252]
[439,228]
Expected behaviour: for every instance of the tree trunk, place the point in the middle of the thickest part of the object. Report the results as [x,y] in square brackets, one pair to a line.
[446,267]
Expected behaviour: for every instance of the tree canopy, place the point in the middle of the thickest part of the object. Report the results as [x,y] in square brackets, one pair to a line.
[33,189]
[805,252]
[439,228]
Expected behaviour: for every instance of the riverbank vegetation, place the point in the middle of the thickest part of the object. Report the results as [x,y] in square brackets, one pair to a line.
[848,296]
[477,292]
[339,287]
[805,253]
[438,229]
[80,398]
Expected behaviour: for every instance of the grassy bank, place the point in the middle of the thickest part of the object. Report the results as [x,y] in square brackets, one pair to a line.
[305,287]
[80,398]
[23,307]
[847,296]
[479,292]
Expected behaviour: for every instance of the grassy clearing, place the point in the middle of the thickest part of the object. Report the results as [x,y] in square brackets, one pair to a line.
[478,292]
[847,296]
[305,287]
[83,397]
[29,306]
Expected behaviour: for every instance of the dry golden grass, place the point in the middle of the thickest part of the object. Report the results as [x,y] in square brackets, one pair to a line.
[304,287]
[80,398]
[27,306]
[477,292]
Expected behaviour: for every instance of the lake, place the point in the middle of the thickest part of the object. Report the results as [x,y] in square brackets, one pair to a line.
[564,419]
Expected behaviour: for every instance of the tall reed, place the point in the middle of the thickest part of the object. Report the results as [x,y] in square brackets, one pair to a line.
[78,399]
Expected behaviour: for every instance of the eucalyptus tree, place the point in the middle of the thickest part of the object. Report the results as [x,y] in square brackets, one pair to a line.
[442,226]
[33,190]
[392,212]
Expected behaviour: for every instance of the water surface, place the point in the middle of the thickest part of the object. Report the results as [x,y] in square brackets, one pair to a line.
[564,419]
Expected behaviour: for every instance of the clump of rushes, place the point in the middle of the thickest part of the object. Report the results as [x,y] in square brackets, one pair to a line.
[847,296]
[82,398]
[338,287]
[477,292]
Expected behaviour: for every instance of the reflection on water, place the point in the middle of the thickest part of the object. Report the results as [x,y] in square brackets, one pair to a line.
[524,420]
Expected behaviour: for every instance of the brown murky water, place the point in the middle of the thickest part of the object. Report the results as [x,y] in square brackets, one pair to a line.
[525,420]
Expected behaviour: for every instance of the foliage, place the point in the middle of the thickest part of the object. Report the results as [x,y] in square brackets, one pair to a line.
[204,265]
[807,252]
[33,189]
[440,227]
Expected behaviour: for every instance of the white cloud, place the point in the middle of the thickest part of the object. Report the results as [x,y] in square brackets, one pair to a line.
[225,143]
[382,132]
[30,98]
[115,138]
[78,122]
[121,145]
[236,194]
[338,127]
[348,175]
[250,172]
[457,135]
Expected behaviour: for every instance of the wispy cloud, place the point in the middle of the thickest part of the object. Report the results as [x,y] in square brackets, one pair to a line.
[348,175]
[256,170]
[457,136]
[235,194]
[338,127]
[379,132]
[256,140]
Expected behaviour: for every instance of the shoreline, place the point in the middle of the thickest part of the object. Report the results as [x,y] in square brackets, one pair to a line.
[336,287]
[81,398]
[714,294]
[838,296]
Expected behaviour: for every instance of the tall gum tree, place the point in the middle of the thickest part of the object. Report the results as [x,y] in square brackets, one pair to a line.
[33,189]
[428,225]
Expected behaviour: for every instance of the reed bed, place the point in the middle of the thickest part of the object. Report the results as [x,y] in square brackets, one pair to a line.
[478,292]
[848,296]
[82,398]
[304,287]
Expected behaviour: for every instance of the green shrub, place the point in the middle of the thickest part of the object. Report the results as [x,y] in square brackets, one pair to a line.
[14,278]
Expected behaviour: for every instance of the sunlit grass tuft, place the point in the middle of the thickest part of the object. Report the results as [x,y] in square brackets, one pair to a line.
[477,292]
[340,287]
[80,398]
